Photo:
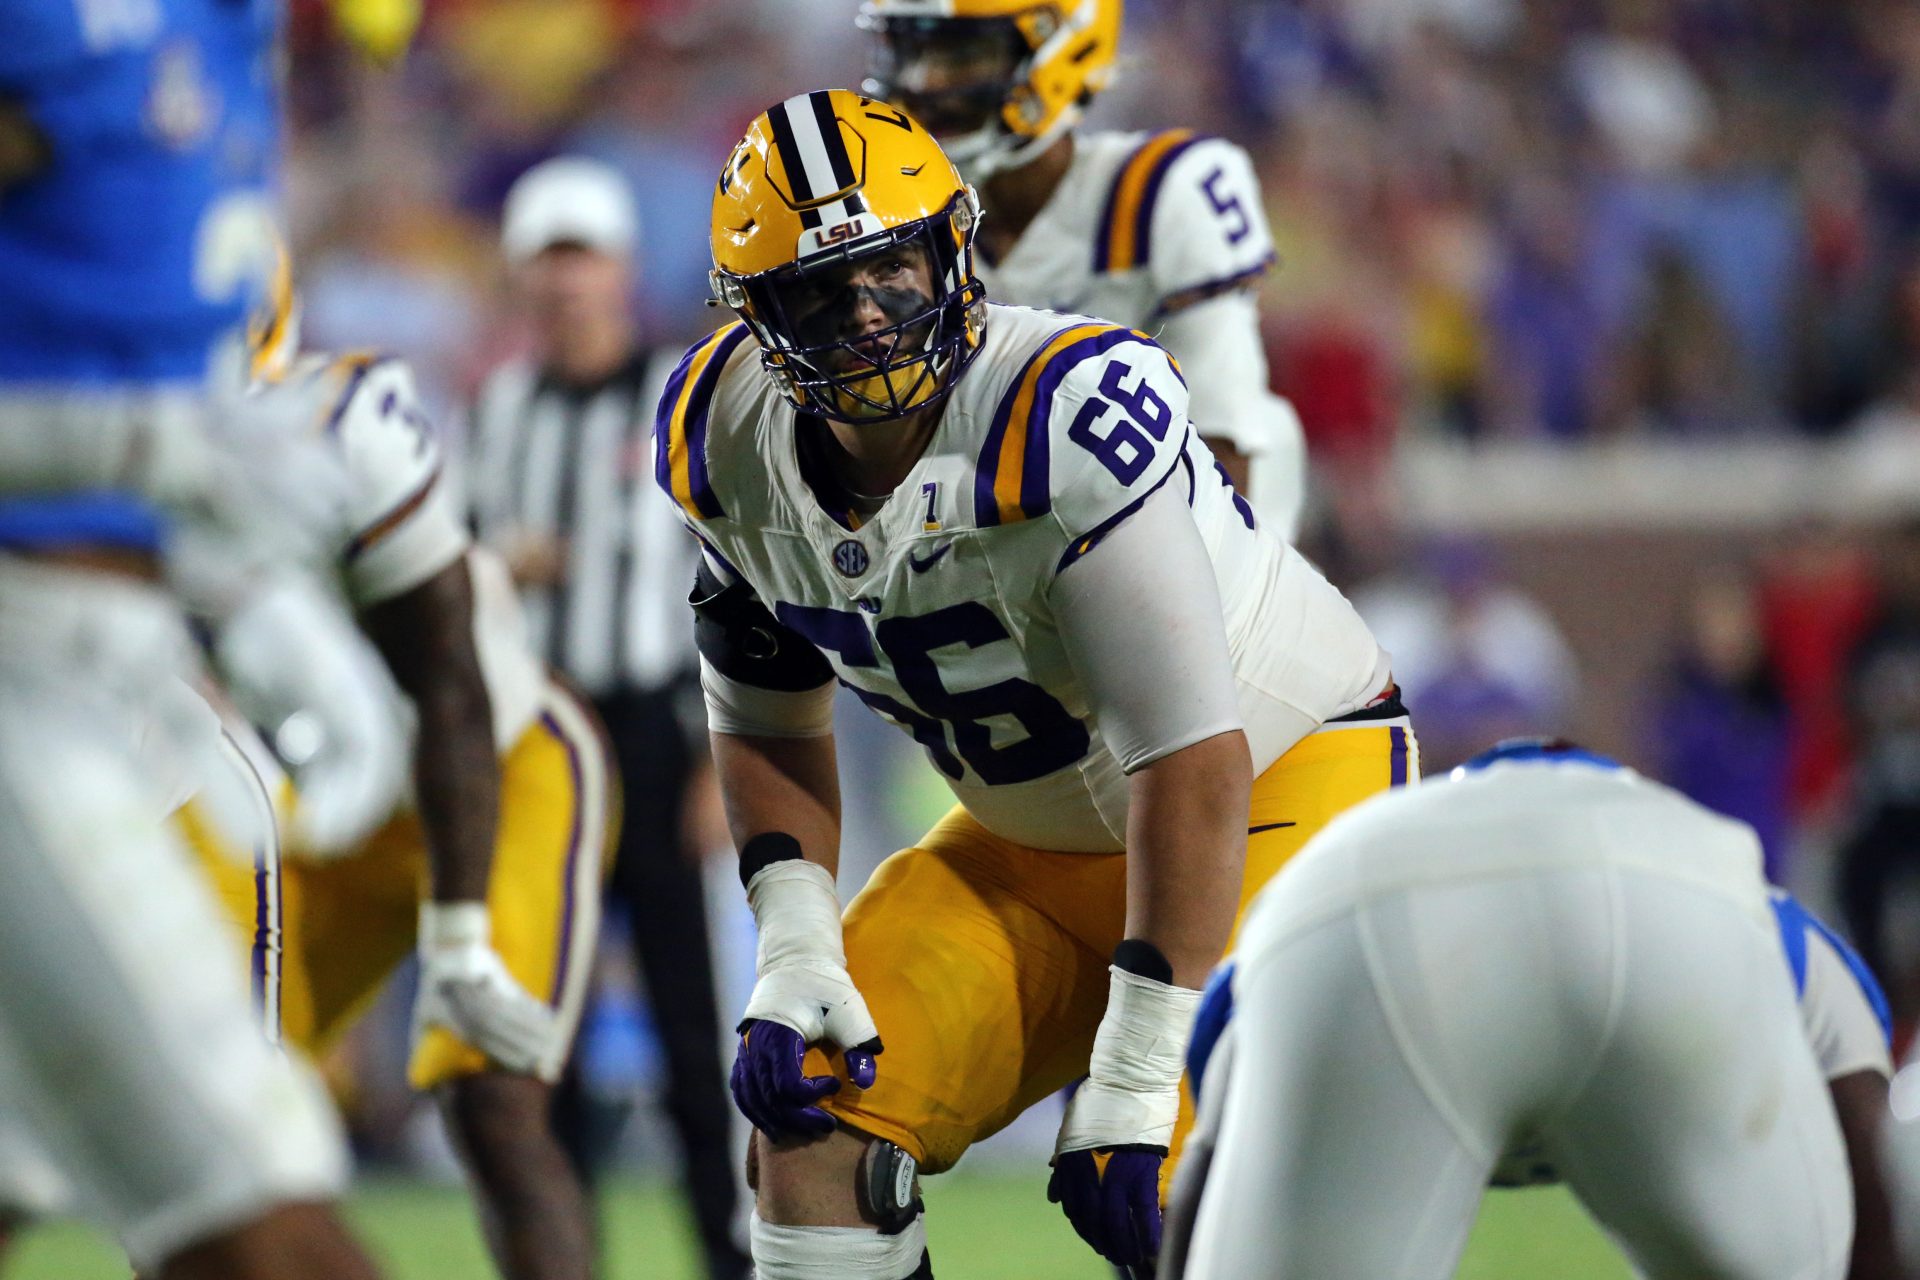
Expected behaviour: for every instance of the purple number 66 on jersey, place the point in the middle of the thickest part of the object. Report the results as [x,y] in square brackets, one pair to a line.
[1230,207]
[1123,450]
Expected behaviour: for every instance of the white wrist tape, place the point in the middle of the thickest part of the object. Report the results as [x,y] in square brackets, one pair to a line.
[798,914]
[1142,1041]
[1132,1093]
[446,926]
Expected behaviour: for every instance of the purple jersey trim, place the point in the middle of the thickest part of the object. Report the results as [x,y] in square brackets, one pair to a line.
[575,772]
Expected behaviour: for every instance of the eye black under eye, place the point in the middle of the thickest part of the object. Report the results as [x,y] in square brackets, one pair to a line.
[814,296]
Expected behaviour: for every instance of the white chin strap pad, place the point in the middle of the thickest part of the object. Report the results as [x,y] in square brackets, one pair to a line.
[989,149]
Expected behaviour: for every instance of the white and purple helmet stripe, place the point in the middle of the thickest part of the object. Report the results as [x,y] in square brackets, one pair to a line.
[814,154]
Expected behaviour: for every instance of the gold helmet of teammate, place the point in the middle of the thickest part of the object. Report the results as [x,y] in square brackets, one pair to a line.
[273,327]
[997,81]
[843,236]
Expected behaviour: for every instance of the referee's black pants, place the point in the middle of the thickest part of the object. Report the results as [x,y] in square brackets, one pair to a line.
[659,885]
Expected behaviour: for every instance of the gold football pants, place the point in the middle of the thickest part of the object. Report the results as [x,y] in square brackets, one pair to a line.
[984,962]
[346,923]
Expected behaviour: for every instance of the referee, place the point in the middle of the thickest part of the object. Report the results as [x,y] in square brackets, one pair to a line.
[562,487]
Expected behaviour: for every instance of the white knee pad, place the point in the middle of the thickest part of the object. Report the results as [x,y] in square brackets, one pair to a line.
[835,1253]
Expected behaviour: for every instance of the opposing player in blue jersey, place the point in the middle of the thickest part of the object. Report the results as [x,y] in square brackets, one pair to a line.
[1544,968]
[136,137]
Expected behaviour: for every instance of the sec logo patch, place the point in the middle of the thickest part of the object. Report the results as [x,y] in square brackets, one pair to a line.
[850,558]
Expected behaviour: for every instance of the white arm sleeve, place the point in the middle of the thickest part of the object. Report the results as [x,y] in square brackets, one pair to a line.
[1840,1022]
[1140,617]
[1217,342]
[734,707]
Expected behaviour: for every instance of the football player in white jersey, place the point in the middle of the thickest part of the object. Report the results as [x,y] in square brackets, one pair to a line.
[997,527]
[1163,231]
[494,870]
[1545,967]
[135,146]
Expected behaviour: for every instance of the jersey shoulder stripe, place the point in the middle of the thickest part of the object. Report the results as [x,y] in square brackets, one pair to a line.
[680,424]
[1210,1022]
[1796,924]
[1124,240]
[379,530]
[349,369]
[1098,534]
[1011,479]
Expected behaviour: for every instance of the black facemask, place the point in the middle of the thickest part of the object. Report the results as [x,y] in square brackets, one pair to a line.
[834,319]
[982,57]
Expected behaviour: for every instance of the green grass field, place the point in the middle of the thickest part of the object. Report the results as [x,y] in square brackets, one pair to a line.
[982,1228]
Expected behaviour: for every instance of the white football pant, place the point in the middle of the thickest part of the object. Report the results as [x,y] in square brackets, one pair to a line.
[1640,1030]
[129,1054]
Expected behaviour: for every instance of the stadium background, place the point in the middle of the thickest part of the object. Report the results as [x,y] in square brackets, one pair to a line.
[1603,320]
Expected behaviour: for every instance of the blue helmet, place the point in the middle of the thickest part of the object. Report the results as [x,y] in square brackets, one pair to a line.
[1539,748]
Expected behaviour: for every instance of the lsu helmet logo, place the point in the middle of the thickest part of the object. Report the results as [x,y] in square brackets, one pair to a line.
[822,238]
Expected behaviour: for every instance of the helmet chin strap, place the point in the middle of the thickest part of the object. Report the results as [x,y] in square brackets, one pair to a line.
[990,149]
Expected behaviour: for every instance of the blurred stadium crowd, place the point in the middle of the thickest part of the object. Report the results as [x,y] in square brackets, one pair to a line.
[1496,217]
[1501,222]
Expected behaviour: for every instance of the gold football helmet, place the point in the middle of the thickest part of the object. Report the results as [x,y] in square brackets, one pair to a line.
[996,80]
[843,236]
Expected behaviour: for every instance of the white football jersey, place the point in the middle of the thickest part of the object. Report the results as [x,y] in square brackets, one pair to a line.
[1515,819]
[1166,233]
[403,526]
[935,611]
[1139,223]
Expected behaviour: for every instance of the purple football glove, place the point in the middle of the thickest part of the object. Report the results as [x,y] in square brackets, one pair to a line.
[1116,1211]
[774,1095]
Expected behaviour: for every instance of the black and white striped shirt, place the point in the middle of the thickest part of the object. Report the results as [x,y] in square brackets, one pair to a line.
[574,463]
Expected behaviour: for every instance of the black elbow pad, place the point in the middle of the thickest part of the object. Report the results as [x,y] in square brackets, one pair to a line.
[742,640]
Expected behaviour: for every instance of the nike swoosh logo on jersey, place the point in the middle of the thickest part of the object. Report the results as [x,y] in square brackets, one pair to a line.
[921,566]
[1271,826]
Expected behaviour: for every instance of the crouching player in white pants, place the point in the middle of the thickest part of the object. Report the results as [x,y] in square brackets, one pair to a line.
[1545,967]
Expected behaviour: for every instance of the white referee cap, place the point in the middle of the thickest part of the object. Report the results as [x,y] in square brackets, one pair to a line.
[569,200]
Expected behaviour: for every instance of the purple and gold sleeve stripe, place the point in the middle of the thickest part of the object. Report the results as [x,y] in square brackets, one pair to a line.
[1194,295]
[1096,535]
[1011,482]
[1126,224]
[680,425]
[352,369]
[381,529]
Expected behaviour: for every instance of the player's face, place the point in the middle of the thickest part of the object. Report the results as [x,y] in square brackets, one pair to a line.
[951,74]
[861,303]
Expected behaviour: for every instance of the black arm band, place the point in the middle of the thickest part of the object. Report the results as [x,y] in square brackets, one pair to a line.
[742,640]
[1142,959]
[765,849]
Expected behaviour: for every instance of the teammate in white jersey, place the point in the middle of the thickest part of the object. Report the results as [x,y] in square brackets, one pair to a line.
[1163,231]
[135,143]
[494,871]
[998,528]
[1543,968]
